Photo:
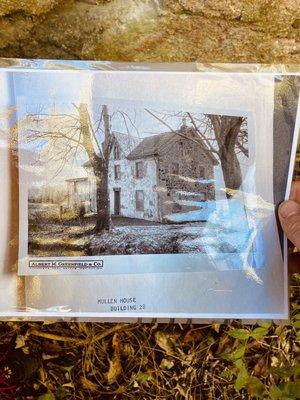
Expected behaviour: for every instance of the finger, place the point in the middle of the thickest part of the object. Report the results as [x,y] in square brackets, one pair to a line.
[289,215]
[294,263]
[295,192]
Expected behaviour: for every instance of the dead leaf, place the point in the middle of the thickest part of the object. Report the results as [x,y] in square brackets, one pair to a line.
[87,384]
[216,327]
[49,356]
[116,343]
[69,385]
[115,369]
[166,364]
[121,390]
[192,336]
[274,361]
[20,341]
[43,376]
[166,341]
[184,392]
[261,368]
[52,347]
[128,350]
[223,344]
[115,366]
[26,350]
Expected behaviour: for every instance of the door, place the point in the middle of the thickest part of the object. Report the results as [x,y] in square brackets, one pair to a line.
[117,201]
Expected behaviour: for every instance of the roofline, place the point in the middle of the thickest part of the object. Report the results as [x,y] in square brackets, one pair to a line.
[76,179]
[202,144]
[142,157]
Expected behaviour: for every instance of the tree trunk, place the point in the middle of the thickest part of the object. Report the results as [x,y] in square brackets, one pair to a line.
[231,169]
[99,163]
[226,133]
[103,220]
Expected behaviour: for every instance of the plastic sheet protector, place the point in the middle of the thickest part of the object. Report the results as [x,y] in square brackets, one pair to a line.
[144,191]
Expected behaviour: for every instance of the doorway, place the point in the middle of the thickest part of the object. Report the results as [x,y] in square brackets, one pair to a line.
[117,201]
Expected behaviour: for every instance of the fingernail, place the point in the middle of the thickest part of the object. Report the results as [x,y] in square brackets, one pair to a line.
[288,208]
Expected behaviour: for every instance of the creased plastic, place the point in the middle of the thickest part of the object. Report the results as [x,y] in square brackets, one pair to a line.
[192,232]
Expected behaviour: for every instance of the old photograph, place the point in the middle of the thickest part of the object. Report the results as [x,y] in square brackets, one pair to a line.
[112,180]
[148,185]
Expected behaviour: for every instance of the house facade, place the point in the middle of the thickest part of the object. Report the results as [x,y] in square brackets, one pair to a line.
[181,164]
[156,176]
[131,184]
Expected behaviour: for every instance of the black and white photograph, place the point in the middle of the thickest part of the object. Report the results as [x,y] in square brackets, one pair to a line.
[158,186]
[150,180]
[121,181]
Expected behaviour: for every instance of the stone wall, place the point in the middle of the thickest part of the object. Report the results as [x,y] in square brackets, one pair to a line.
[128,184]
[266,31]
[182,188]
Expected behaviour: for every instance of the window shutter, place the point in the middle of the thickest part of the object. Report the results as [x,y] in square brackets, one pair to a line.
[144,169]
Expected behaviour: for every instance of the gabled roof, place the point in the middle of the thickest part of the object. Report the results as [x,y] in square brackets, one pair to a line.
[152,145]
[161,143]
[126,142]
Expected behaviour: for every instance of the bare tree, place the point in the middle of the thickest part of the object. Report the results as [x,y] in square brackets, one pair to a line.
[224,136]
[71,133]
[227,130]
[99,162]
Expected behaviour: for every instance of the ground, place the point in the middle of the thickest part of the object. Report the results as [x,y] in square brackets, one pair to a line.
[155,239]
[54,236]
[208,229]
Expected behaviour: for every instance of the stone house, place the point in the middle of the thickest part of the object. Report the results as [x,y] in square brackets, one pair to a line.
[153,177]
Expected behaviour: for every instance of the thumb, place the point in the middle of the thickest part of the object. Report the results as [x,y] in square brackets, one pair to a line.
[289,215]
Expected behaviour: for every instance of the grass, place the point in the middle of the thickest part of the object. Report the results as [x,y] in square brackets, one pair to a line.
[156,239]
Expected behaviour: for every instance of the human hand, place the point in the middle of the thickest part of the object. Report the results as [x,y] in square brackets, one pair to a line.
[289,216]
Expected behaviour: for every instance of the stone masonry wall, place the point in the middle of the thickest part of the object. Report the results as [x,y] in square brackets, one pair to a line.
[266,31]
[193,164]
[128,184]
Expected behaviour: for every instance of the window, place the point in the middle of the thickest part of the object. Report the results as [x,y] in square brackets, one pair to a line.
[183,148]
[139,169]
[174,168]
[176,207]
[139,200]
[117,152]
[117,172]
[202,172]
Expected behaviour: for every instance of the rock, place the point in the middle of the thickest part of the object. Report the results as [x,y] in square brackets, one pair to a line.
[266,31]
[30,7]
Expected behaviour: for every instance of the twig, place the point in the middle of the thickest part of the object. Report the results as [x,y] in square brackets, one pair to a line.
[82,342]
